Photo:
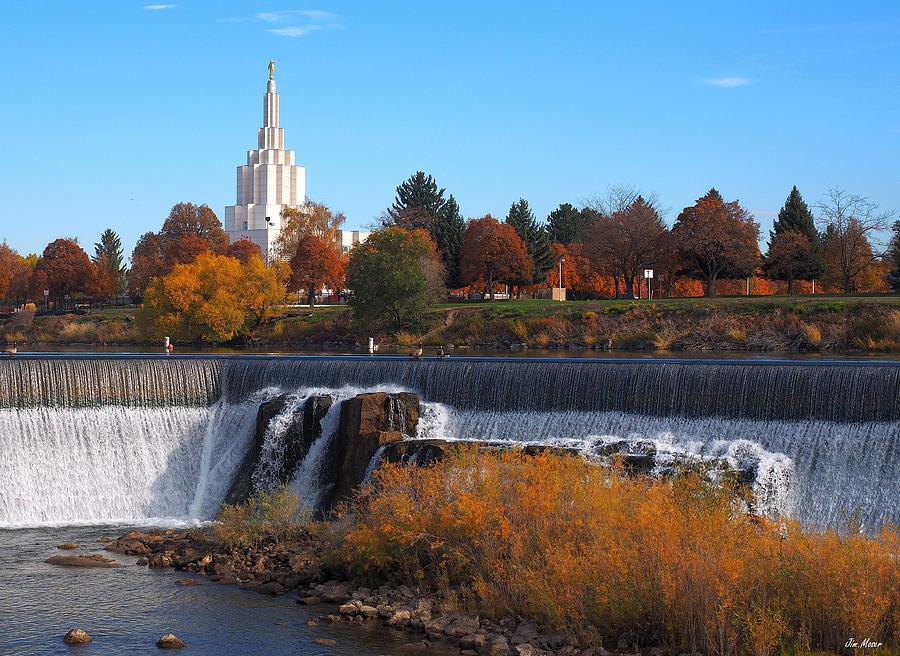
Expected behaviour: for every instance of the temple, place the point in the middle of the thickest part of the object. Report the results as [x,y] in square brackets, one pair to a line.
[268,182]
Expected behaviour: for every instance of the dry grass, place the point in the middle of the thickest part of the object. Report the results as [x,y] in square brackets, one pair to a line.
[275,516]
[876,332]
[585,550]
[405,340]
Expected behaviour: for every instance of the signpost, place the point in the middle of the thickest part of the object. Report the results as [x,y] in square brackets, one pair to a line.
[648,276]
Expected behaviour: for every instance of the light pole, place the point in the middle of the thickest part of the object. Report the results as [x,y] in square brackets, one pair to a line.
[561,260]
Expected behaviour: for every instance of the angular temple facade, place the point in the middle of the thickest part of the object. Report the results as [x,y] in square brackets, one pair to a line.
[268,182]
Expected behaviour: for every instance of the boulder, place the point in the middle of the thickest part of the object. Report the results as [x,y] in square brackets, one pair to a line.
[367,422]
[474,641]
[77,637]
[303,429]
[128,546]
[369,612]
[528,650]
[170,641]
[419,452]
[68,546]
[524,633]
[271,588]
[160,560]
[497,646]
[399,619]
[324,641]
[462,626]
[93,560]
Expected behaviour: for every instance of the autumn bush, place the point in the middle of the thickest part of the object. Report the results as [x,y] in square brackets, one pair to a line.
[587,550]
[275,516]
[875,331]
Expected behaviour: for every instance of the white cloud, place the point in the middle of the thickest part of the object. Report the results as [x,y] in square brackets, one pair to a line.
[727,82]
[296,30]
[298,22]
[159,7]
[289,14]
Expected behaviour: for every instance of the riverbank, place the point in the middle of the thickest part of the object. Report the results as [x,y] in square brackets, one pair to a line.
[127,609]
[811,324]
[509,554]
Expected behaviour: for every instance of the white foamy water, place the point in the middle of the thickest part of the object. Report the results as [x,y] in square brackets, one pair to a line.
[75,465]
[64,465]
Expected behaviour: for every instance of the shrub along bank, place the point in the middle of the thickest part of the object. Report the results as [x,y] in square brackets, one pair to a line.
[501,553]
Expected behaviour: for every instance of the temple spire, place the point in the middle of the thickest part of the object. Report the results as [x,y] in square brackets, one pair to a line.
[270,109]
[268,182]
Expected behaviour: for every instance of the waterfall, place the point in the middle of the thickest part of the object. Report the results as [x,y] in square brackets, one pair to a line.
[104,381]
[860,391]
[114,463]
[113,438]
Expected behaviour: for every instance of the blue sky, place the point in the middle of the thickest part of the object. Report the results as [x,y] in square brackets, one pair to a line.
[113,111]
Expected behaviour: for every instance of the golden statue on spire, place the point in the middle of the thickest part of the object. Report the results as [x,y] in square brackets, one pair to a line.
[272,63]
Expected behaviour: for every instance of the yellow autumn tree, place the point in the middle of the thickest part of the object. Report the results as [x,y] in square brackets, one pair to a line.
[213,299]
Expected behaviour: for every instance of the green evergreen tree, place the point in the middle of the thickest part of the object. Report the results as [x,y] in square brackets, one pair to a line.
[420,203]
[894,255]
[418,200]
[447,230]
[795,216]
[567,224]
[111,246]
[522,219]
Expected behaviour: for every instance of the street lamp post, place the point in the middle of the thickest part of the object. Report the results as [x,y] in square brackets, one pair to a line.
[561,260]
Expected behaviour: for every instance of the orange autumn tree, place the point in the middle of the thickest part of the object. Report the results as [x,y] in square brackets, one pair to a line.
[317,263]
[105,281]
[310,219]
[213,299]
[715,239]
[13,269]
[493,252]
[578,273]
[198,221]
[64,269]
[243,250]
[189,231]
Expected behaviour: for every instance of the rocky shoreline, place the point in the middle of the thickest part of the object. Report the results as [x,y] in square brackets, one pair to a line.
[429,617]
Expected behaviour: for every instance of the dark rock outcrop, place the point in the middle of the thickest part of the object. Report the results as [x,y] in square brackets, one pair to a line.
[304,427]
[368,421]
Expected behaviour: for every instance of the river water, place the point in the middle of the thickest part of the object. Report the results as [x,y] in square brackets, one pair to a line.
[96,439]
[127,609]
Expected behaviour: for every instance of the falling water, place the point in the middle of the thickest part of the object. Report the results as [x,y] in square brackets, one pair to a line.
[666,388]
[132,439]
[112,463]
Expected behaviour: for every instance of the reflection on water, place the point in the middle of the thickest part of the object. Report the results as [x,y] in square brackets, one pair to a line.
[126,610]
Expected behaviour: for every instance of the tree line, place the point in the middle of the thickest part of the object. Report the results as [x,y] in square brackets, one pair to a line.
[195,283]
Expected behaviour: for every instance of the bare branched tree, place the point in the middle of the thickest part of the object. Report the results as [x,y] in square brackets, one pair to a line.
[626,240]
[851,224]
